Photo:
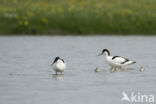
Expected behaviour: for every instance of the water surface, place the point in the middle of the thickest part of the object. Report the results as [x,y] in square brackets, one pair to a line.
[26,76]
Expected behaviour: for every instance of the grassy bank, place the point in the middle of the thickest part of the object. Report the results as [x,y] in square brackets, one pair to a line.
[77,17]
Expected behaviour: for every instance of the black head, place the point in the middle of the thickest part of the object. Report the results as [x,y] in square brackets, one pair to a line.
[56,59]
[103,51]
[106,50]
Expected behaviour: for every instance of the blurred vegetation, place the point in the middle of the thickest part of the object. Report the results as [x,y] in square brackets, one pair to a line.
[77,16]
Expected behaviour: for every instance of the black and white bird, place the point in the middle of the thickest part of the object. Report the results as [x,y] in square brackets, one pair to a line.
[59,65]
[116,61]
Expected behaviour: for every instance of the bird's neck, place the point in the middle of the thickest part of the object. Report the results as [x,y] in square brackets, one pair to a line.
[59,61]
[106,54]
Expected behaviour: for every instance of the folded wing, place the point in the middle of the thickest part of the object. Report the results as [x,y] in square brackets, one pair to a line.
[120,60]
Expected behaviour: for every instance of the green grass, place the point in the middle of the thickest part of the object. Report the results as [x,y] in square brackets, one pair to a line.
[77,17]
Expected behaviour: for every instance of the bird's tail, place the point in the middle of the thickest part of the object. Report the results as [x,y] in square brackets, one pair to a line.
[131,62]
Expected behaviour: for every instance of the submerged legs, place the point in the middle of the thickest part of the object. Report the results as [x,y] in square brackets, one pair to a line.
[113,69]
[60,72]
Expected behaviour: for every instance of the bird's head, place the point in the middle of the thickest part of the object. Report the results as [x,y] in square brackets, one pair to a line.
[105,51]
[56,58]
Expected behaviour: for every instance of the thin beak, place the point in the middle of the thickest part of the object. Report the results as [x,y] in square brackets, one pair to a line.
[100,54]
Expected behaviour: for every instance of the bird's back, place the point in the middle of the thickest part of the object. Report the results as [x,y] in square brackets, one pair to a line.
[118,61]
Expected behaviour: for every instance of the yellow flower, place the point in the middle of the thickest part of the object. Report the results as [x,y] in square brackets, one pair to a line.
[70,9]
[153,15]
[72,1]
[109,6]
[99,5]
[128,11]
[26,23]
[44,20]
[59,9]
[16,17]
[30,14]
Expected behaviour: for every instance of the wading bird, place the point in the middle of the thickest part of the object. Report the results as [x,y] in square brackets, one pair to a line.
[59,65]
[116,61]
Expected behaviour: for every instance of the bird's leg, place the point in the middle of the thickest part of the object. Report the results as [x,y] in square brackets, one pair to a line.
[56,72]
[61,72]
[112,68]
[116,68]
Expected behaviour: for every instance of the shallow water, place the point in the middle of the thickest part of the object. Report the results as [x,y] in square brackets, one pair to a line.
[26,76]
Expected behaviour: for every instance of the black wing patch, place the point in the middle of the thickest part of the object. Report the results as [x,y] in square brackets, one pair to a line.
[62,60]
[114,57]
[126,60]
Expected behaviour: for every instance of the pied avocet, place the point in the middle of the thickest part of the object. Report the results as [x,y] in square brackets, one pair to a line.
[59,65]
[116,61]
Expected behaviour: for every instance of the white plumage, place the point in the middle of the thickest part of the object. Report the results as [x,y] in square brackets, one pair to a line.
[59,65]
[116,61]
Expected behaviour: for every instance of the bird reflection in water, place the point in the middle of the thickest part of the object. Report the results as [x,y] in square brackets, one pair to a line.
[120,69]
[58,76]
